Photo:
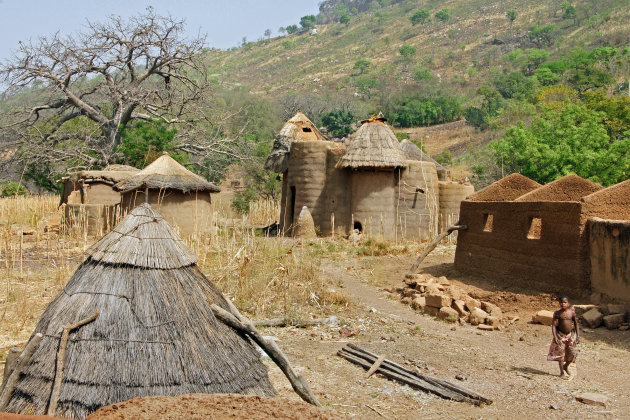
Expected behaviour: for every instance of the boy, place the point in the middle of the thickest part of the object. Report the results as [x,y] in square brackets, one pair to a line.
[566,336]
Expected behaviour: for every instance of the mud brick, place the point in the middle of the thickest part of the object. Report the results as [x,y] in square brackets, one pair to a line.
[581,309]
[477,316]
[492,309]
[543,317]
[449,314]
[613,321]
[460,307]
[419,303]
[593,318]
[616,309]
[431,310]
[438,300]
[471,303]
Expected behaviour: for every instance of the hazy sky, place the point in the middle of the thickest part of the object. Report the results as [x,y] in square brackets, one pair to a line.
[224,22]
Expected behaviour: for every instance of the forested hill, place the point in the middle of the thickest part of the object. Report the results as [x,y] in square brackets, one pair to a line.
[458,45]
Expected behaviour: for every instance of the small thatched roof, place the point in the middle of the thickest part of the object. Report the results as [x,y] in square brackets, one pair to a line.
[567,188]
[506,189]
[109,175]
[373,145]
[297,128]
[155,333]
[166,173]
[413,152]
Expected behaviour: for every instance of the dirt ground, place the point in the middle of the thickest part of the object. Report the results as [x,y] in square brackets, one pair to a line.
[508,366]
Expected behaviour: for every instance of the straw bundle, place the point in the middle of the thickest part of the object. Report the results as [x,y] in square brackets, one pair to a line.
[305,226]
[297,128]
[166,173]
[374,145]
[155,334]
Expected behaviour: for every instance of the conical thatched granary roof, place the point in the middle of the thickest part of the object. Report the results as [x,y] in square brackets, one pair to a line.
[374,145]
[297,128]
[155,333]
[166,173]
[567,188]
[413,152]
[506,189]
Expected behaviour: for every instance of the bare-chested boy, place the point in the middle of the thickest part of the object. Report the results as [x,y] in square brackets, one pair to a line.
[566,336]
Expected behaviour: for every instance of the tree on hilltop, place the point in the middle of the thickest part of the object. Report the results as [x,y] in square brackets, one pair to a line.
[308,21]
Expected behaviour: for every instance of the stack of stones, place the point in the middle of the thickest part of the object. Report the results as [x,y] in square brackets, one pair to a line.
[612,316]
[436,296]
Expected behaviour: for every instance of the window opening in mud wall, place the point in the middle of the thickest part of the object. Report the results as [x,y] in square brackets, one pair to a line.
[535,228]
[306,129]
[358,226]
[488,220]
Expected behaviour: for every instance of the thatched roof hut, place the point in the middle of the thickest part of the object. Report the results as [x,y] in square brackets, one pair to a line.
[95,187]
[373,146]
[166,173]
[413,152]
[297,128]
[155,333]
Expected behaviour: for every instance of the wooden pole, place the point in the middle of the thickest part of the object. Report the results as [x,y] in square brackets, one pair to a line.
[298,382]
[20,364]
[61,355]
[433,244]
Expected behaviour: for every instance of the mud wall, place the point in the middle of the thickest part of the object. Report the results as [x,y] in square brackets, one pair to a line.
[188,213]
[100,193]
[533,244]
[451,196]
[94,219]
[307,177]
[416,211]
[609,244]
[373,199]
[337,197]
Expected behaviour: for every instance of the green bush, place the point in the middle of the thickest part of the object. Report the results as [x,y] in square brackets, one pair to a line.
[242,200]
[422,111]
[10,189]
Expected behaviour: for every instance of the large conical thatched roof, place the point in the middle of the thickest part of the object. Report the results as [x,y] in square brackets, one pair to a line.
[297,128]
[155,333]
[506,189]
[166,173]
[373,145]
[568,188]
[413,152]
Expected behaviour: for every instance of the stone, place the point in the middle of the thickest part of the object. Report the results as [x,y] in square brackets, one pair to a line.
[399,290]
[405,300]
[420,288]
[492,309]
[438,300]
[443,280]
[455,293]
[477,316]
[411,282]
[543,317]
[624,328]
[603,309]
[581,309]
[616,309]
[596,298]
[493,320]
[431,310]
[592,398]
[593,318]
[448,314]
[432,288]
[419,303]
[416,277]
[485,327]
[461,377]
[460,307]
[471,303]
[613,321]
[409,292]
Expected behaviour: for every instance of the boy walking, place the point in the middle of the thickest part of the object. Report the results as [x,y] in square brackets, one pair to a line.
[566,336]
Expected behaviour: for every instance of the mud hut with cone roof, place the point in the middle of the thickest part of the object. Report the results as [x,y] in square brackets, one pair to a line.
[89,199]
[182,197]
[368,185]
[154,333]
[553,237]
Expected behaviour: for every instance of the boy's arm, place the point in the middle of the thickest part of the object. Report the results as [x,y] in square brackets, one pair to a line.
[554,324]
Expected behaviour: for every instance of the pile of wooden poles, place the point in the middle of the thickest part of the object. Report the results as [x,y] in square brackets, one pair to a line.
[391,370]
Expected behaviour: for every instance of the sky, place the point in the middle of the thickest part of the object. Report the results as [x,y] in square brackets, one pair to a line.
[224,22]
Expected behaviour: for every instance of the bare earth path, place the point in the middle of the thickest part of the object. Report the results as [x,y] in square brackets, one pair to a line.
[507,366]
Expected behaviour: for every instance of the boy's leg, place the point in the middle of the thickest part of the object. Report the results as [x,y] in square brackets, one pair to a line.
[560,364]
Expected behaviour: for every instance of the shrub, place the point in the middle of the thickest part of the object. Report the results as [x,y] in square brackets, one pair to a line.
[422,111]
[10,189]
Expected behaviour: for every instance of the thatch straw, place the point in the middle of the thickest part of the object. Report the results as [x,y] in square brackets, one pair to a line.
[413,152]
[166,173]
[110,175]
[373,145]
[155,334]
[568,188]
[143,239]
[297,128]
[305,226]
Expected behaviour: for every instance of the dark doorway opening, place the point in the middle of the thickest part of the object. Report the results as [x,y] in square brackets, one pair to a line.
[357,226]
[291,207]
